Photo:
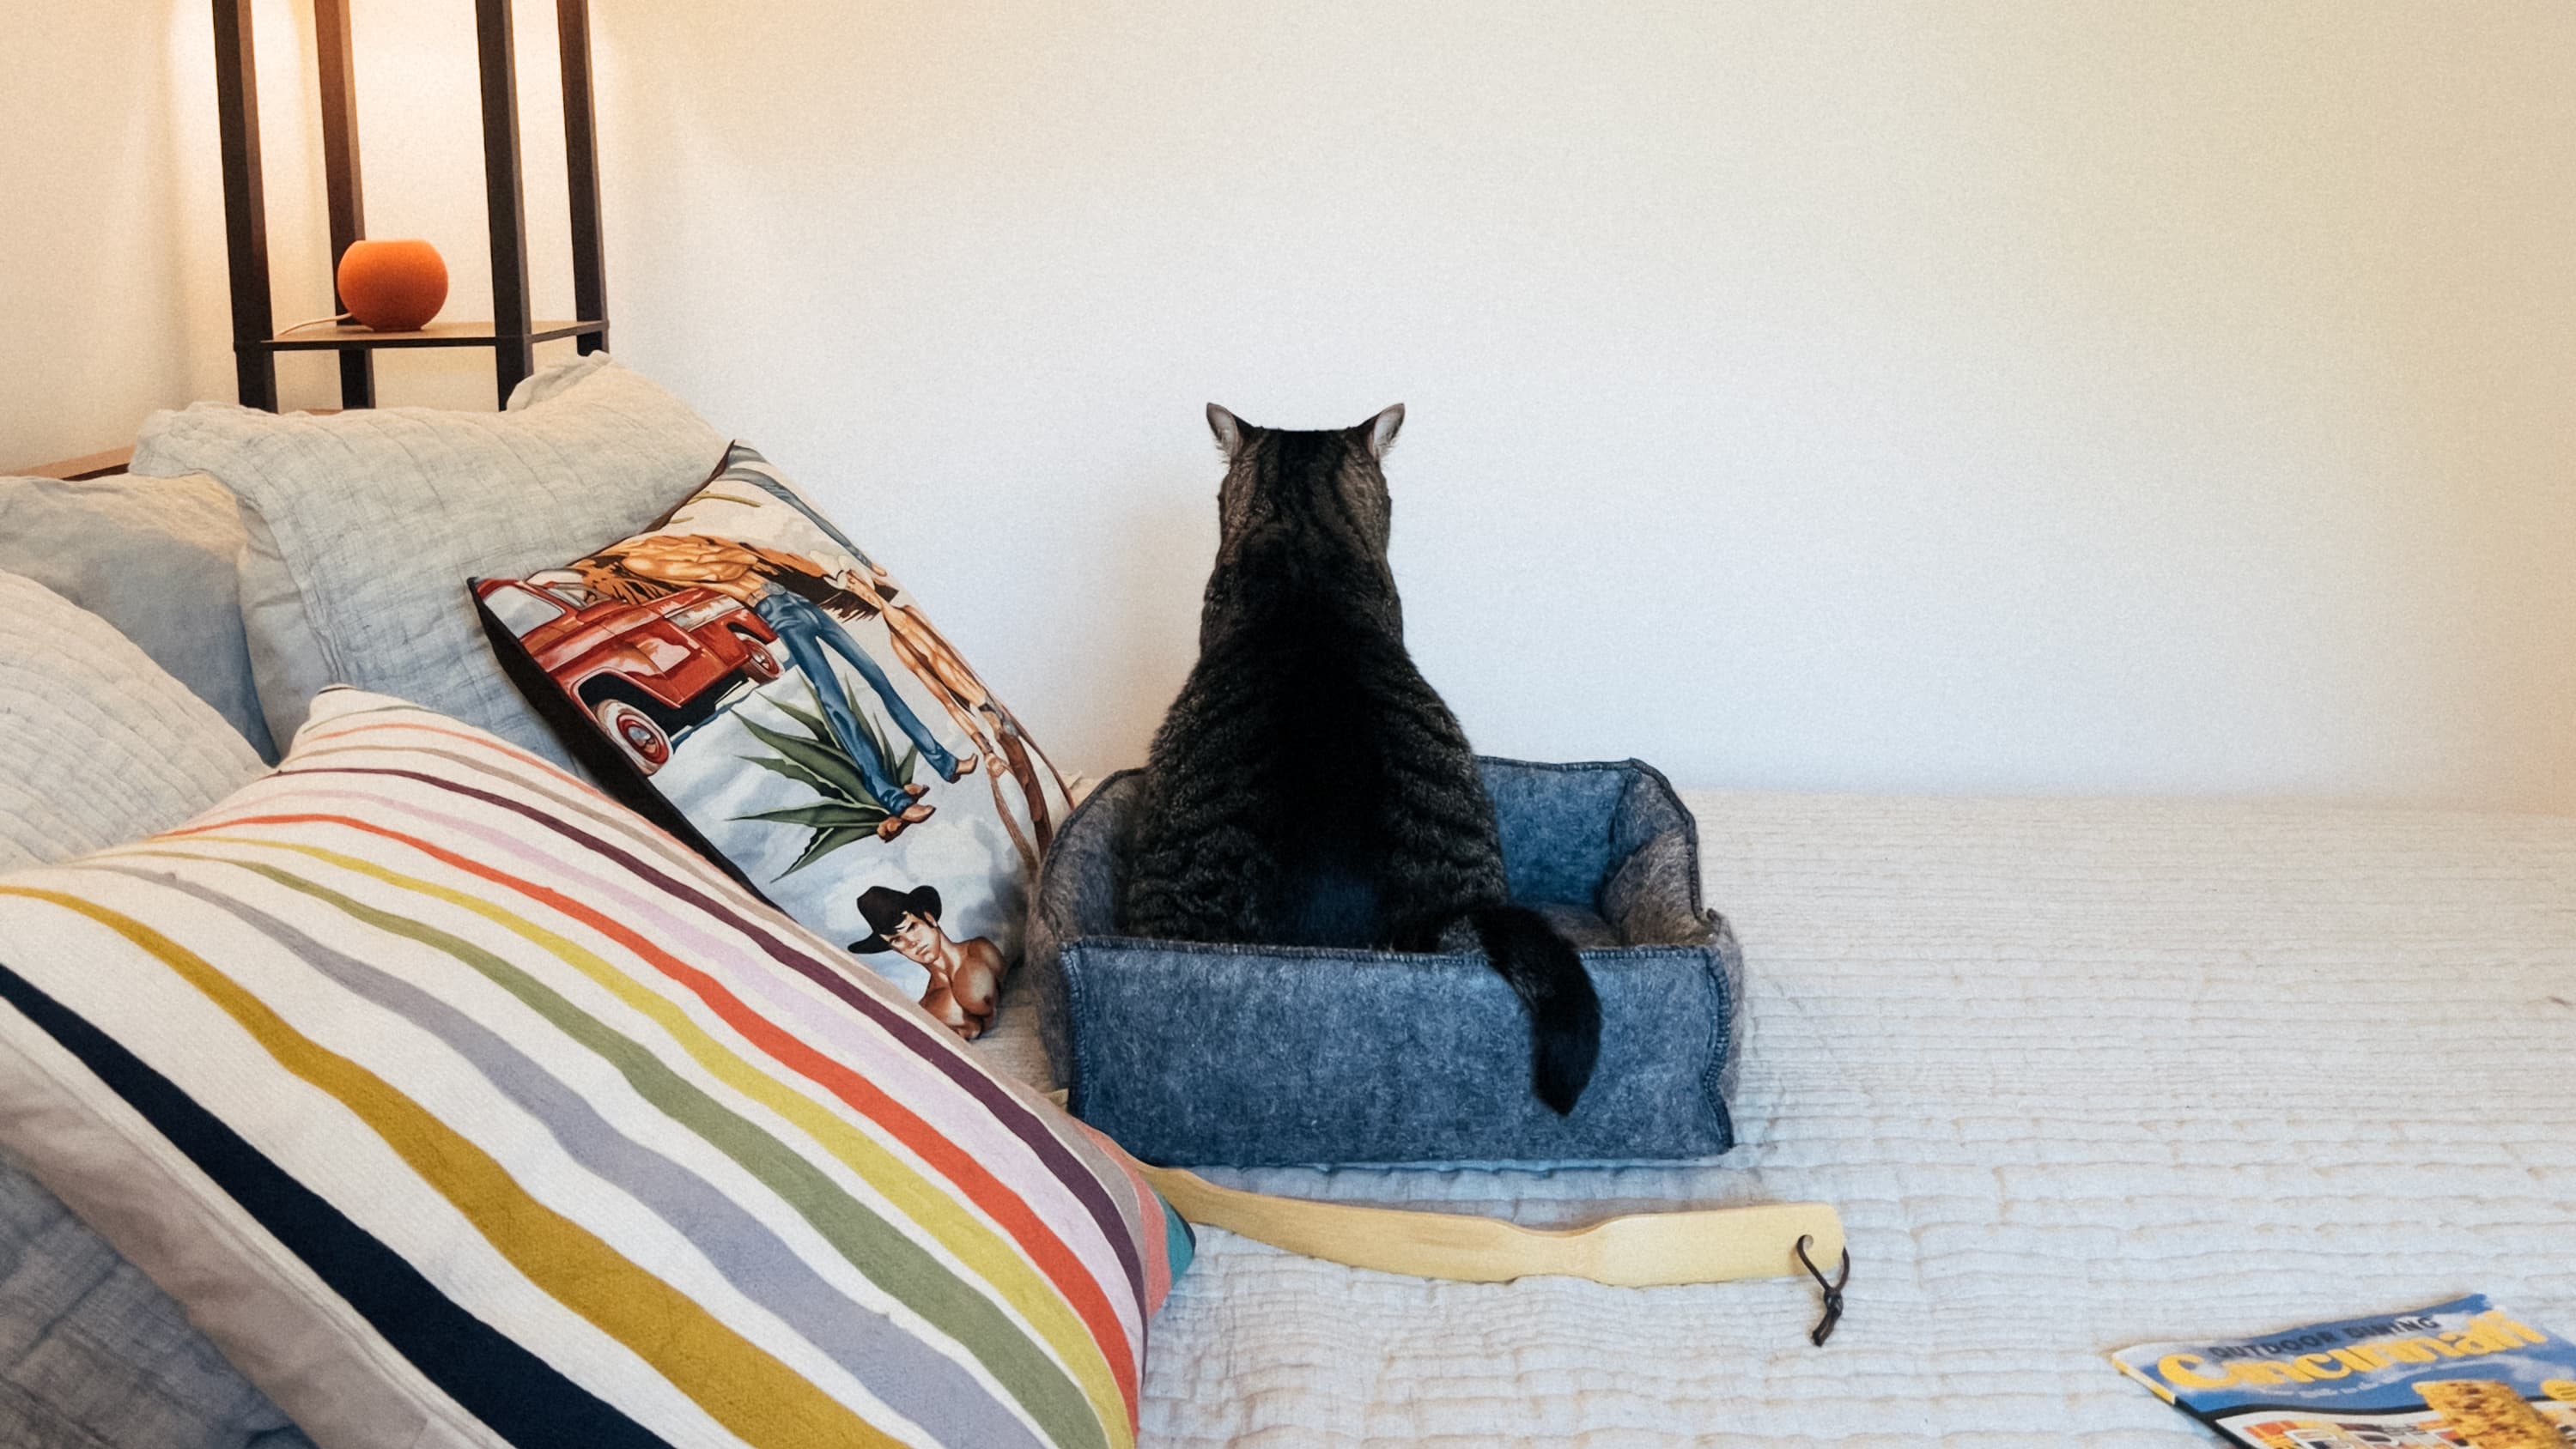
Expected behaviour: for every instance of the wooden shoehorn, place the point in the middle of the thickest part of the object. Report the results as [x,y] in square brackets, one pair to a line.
[1640,1250]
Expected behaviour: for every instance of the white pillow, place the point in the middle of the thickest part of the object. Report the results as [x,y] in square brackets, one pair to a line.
[103,746]
[362,525]
[463,1108]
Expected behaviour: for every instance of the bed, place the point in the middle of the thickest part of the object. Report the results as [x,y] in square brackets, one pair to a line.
[2078,1073]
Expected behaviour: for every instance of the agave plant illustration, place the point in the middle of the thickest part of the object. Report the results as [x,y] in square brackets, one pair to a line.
[846,814]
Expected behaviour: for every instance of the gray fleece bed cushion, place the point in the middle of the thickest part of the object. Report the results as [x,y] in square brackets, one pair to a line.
[1258,1055]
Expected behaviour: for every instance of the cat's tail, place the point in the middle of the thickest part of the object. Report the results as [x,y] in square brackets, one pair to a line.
[1547,975]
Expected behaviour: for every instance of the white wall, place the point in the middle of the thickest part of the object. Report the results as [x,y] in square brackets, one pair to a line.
[1960,397]
[104,310]
[1953,397]
[114,297]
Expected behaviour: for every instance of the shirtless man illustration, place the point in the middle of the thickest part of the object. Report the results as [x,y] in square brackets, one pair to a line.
[803,605]
[965,976]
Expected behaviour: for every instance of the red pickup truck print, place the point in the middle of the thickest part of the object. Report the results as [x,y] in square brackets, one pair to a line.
[647,673]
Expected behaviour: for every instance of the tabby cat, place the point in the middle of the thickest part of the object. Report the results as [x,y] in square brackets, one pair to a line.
[1308,786]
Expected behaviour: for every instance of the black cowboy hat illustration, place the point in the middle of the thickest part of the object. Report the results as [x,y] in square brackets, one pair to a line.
[885,909]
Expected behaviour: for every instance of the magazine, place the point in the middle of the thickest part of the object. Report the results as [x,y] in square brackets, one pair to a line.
[2458,1375]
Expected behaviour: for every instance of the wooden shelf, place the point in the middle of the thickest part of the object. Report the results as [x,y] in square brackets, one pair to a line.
[350,338]
[72,470]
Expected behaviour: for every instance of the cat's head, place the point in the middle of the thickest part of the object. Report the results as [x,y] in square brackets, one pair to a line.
[1325,483]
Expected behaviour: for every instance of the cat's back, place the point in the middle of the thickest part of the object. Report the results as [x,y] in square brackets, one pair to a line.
[1283,767]
[1295,690]
[1304,726]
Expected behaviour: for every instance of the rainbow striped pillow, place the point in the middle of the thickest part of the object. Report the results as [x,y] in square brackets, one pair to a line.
[461,1106]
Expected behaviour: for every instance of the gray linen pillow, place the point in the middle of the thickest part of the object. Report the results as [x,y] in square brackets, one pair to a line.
[360,525]
[155,557]
[103,745]
[101,742]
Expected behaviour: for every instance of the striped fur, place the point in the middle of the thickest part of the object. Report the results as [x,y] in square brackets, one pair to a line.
[1309,787]
[603,1150]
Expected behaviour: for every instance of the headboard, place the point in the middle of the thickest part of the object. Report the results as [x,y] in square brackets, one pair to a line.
[93,465]
[100,465]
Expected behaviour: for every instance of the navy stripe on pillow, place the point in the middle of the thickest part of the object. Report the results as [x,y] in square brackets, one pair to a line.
[515,1393]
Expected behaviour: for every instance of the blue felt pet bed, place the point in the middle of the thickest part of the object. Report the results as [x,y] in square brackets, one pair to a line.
[1258,1055]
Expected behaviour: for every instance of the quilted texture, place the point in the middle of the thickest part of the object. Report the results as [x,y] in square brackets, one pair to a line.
[2079,1074]
[461,1107]
[156,558]
[361,526]
[102,745]
[1199,1054]
[93,1356]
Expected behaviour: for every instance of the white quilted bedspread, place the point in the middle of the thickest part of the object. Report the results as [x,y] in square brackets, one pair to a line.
[2077,1073]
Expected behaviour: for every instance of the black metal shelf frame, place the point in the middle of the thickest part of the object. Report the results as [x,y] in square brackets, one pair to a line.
[512,334]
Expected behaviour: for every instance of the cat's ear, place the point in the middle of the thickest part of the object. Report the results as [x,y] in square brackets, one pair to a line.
[1382,430]
[1228,429]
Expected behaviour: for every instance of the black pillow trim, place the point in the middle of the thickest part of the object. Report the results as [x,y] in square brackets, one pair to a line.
[597,753]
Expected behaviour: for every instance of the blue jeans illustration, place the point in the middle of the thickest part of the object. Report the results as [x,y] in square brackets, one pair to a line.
[807,632]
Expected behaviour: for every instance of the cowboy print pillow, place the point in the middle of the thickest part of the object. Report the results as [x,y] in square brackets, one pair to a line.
[749,677]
